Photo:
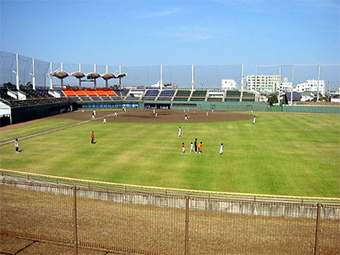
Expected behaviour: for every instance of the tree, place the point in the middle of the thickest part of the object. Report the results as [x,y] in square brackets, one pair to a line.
[273,100]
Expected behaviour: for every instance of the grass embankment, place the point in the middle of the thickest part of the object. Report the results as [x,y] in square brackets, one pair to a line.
[282,154]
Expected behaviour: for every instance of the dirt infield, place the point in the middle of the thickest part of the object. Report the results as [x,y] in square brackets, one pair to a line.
[163,116]
[144,116]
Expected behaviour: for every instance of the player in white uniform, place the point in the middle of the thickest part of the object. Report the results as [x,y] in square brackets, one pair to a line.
[221,149]
[179,132]
[16,145]
[192,147]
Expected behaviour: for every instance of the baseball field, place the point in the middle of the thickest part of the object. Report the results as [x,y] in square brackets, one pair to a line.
[282,154]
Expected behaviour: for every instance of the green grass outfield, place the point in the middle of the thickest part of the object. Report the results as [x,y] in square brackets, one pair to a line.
[282,154]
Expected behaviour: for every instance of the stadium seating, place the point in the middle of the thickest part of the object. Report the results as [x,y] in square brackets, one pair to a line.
[85,98]
[214,99]
[122,93]
[90,92]
[39,101]
[198,95]
[182,95]
[80,92]
[248,97]
[30,93]
[166,95]
[4,95]
[69,92]
[100,92]
[233,96]
[150,94]
[109,92]
[58,91]
[96,98]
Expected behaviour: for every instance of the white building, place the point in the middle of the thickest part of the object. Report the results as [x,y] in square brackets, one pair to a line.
[227,84]
[267,83]
[312,85]
[284,86]
[335,97]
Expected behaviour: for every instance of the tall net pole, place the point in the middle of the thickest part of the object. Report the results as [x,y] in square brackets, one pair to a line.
[33,74]
[317,92]
[192,77]
[291,90]
[17,71]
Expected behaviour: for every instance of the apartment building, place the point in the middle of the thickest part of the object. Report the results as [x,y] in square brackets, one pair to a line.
[312,85]
[284,86]
[265,83]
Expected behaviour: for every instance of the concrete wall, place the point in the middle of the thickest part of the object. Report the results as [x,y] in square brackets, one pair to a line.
[256,208]
[221,106]
[4,109]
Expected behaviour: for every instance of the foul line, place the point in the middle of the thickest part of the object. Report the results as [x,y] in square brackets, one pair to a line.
[53,130]
[25,247]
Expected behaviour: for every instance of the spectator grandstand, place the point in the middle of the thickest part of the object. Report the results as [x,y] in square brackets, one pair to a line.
[59,99]
[198,95]
[233,96]
[182,95]
[166,95]
[150,94]
[109,94]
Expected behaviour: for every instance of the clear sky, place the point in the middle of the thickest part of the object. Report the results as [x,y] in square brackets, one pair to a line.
[139,33]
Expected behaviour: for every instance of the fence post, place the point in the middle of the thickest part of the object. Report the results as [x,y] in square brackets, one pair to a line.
[186,251]
[75,220]
[317,229]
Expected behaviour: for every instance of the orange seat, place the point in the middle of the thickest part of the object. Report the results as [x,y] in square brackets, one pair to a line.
[101,92]
[110,92]
[90,92]
[80,92]
[69,92]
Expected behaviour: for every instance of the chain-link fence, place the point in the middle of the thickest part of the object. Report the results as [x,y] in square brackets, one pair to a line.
[154,223]
[323,78]
[16,68]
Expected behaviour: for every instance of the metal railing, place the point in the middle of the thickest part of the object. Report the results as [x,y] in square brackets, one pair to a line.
[166,191]
[133,219]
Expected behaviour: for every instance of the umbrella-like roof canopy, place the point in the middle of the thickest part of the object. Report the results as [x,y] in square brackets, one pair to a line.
[93,75]
[78,75]
[108,76]
[121,75]
[60,75]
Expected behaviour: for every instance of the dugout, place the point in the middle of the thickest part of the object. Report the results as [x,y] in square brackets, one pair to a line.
[110,105]
[157,105]
[27,113]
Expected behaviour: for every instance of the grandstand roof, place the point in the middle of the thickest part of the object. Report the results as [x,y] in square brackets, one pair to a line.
[60,74]
[108,76]
[78,74]
[93,75]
